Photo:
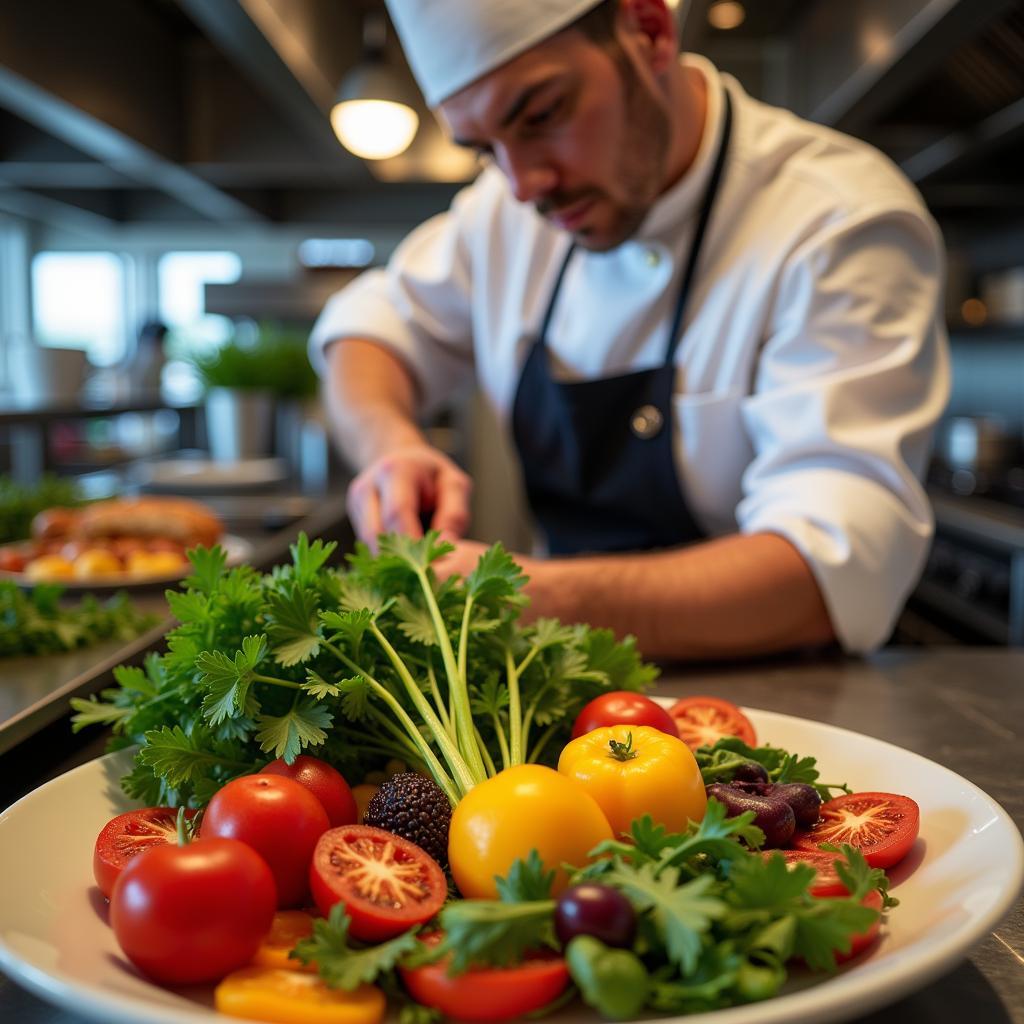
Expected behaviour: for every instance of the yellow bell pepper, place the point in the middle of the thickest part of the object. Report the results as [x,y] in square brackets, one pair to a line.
[633,770]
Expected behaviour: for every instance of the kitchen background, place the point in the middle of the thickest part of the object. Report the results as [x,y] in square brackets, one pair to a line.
[173,162]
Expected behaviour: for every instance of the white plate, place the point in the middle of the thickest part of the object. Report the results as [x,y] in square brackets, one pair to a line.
[207,475]
[237,549]
[957,883]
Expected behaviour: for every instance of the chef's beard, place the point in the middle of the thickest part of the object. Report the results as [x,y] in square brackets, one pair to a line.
[641,169]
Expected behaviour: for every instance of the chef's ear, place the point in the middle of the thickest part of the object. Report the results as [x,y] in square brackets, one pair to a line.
[655,27]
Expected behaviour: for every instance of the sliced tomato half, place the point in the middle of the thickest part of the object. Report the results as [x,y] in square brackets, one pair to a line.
[127,835]
[488,993]
[826,882]
[883,826]
[386,883]
[703,721]
[861,941]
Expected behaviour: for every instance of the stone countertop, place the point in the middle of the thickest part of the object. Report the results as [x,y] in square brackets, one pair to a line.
[961,707]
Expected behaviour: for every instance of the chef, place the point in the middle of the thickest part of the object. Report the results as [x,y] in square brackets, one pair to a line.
[712,330]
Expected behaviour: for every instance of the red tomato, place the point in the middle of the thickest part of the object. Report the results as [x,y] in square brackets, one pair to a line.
[386,883]
[826,882]
[861,941]
[488,993]
[127,835]
[621,707]
[190,914]
[883,826]
[703,721]
[279,818]
[325,783]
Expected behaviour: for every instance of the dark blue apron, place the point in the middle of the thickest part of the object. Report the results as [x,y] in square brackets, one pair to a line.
[596,455]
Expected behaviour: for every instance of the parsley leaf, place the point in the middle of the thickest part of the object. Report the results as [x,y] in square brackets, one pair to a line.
[526,880]
[285,735]
[343,966]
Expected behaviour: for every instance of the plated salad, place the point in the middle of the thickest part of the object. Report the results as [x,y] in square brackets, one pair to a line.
[372,786]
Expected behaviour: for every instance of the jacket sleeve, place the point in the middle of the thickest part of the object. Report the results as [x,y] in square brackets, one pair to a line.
[418,306]
[851,381]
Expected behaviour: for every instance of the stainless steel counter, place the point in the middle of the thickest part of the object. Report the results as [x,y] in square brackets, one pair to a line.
[961,707]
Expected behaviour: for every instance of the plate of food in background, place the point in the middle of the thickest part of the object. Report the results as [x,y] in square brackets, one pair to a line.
[121,542]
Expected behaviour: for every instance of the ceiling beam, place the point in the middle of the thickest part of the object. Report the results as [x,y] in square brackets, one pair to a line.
[105,80]
[54,212]
[267,50]
[860,59]
[961,148]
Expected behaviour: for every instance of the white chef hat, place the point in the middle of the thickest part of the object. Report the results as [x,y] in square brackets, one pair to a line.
[451,43]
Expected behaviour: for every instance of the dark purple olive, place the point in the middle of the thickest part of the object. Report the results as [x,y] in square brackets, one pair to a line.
[596,910]
[771,813]
[803,799]
[750,771]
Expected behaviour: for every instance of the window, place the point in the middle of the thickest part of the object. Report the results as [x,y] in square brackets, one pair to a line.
[181,277]
[78,301]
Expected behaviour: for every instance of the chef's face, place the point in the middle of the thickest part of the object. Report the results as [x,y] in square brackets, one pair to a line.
[580,129]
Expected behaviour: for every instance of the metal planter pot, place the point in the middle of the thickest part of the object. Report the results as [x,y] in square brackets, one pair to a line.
[239,423]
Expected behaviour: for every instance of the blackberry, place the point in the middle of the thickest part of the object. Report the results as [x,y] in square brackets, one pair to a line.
[415,808]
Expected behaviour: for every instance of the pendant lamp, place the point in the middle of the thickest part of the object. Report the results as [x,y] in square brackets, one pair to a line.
[373,115]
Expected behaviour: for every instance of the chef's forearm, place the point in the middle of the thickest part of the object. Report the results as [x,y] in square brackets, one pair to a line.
[728,597]
[370,397]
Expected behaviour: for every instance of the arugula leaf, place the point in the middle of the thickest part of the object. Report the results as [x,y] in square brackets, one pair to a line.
[343,966]
[526,880]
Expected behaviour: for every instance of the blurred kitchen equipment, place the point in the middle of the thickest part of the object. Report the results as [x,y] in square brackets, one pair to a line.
[978,443]
[239,423]
[38,373]
[1003,295]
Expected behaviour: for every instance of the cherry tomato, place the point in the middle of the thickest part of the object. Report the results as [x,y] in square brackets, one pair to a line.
[127,835]
[14,558]
[488,993]
[325,782]
[386,883]
[861,941]
[621,707]
[279,818]
[267,993]
[703,721]
[826,882]
[883,826]
[189,914]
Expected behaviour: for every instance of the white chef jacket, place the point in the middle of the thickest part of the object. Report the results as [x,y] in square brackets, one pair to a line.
[813,363]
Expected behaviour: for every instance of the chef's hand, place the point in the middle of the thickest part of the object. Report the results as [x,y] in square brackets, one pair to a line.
[396,493]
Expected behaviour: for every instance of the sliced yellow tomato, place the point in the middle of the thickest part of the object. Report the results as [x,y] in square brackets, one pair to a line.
[520,809]
[289,997]
[633,770]
[288,928]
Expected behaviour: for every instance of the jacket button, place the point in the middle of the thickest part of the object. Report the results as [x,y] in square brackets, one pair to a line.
[646,422]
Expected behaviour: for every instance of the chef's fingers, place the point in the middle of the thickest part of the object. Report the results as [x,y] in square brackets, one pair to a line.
[399,489]
[451,509]
[363,506]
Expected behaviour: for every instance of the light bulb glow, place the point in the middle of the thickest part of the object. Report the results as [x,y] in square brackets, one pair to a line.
[374,129]
[726,14]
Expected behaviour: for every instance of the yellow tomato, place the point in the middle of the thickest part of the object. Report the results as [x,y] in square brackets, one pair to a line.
[95,562]
[49,567]
[633,770]
[525,808]
[288,997]
[288,927]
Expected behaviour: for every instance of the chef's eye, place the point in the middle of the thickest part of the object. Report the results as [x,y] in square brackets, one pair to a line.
[541,117]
